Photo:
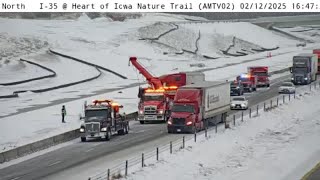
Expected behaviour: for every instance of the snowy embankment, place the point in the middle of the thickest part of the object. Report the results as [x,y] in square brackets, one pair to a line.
[64,73]
[12,48]
[271,146]
[304,32]
[43,123]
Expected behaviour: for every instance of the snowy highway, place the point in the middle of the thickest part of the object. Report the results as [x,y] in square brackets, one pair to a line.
[79,160]
[222,50]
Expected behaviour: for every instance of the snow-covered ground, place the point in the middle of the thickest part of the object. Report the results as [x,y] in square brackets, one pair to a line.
[44,123]
[110,44]
[311,33]
[280,144]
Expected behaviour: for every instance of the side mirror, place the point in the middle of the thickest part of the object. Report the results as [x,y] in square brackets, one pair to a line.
[290,69]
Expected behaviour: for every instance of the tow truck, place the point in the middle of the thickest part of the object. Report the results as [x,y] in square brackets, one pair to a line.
[156,100]
[102,119]
[262,72]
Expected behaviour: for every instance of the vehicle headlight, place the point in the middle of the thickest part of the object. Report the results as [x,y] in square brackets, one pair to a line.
[81,129]
[161,112]
[292,78]
[104,129]
[233,105]
[140,111]
[305,78]
[243,104]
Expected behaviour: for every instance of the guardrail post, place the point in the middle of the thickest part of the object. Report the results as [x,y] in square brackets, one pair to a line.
[234,120]
[264,106]
[310,86]
[294,95]
[283,100]
[195,136]
[157,154]
[142,160]
[108,176]
[315,85]
[126,170]
[183,142]
[271,103]
[250,113]
[206,132]
[170,147]
[289,97]
[277,101]
[242,116]
[216,128]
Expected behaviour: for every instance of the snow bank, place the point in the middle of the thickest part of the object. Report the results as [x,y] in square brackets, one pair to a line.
[61,66]
[46,122]
[22,71]
[271,146]
[245,31]
[155,30]
[181,39]
[308,33]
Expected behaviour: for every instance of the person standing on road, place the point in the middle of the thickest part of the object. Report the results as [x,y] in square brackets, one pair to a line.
[63,113]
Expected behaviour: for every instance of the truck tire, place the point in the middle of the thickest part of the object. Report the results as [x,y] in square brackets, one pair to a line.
[109,134]
[141,122]
[83,139]
[121,131]
[268,85]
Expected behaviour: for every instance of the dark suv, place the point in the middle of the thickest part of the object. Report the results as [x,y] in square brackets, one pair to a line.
[236,89]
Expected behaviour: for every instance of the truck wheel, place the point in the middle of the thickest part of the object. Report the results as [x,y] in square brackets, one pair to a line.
[141,122]
[268,85]
[109,134]
[83,139]
[121,131]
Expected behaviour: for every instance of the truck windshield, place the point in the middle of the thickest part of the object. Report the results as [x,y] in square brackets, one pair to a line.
[244,79]
[183,108]
[261,73]
[238,99]
[299,69]
[96,113]
[153,98]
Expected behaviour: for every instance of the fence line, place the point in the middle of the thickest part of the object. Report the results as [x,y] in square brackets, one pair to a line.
[122,169]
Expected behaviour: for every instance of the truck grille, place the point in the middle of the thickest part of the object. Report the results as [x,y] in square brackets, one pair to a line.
[178,121]
[150,110]
[299,78]
[93,127]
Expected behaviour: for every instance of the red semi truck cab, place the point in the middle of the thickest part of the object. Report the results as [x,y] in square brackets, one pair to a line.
[248,81]
[198,105]
[317,52]
[153,105]
[263,75]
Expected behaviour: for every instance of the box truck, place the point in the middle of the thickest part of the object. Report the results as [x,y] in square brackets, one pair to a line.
[197,105]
